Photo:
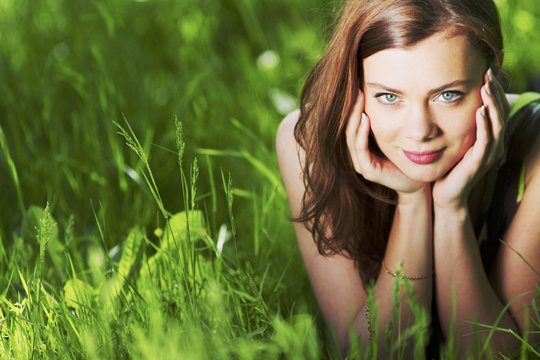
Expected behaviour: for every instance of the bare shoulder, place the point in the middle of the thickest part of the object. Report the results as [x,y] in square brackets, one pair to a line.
[288,151]
[285,133]
[289,156]
[334,279]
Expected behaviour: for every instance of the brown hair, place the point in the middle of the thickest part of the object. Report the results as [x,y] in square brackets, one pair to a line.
[345,213]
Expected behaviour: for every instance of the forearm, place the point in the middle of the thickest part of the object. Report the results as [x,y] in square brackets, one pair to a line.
[458,268]
[410,242]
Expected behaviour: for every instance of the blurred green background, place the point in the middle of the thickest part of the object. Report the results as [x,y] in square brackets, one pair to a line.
[228,70]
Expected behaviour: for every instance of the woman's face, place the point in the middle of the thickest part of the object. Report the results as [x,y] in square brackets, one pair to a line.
[421,101]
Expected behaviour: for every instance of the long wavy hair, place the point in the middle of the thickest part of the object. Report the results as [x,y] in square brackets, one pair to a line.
[345,213]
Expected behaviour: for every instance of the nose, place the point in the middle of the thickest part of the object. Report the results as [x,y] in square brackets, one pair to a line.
[421,125]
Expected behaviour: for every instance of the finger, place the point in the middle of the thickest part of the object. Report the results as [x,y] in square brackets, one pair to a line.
[503,108]
[499,96]
[470,165]
[490,85]
[354,119]
[496,104]
[482,133]
[492,109]
[486,76]
[352,129]
[487,144]
[363,154]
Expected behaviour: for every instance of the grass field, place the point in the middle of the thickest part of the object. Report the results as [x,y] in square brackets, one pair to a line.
[142,214]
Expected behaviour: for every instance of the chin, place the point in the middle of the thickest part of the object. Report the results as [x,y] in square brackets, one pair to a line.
[425,179]
[426,175]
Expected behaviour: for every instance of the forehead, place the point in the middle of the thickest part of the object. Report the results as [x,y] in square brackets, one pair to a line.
[437,60]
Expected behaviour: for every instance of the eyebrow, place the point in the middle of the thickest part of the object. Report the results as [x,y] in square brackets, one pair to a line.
[456,83]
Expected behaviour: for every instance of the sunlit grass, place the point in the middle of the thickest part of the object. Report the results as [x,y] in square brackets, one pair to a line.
[142,214]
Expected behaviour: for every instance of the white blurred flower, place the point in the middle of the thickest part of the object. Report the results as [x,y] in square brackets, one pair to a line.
[282,101]
[268,60]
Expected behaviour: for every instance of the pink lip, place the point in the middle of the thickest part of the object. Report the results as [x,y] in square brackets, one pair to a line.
[425,157]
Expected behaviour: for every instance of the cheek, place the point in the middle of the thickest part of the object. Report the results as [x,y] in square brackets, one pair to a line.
[466,114]
[383,125]
[463,132]
[382,130]
[469,137]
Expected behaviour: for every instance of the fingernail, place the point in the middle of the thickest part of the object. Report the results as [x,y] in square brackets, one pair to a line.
[364,118]
[490,74]
[483,111]
[488,90]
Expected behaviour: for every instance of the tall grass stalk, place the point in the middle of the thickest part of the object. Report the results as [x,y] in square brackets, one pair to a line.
[12,169]
[151,254]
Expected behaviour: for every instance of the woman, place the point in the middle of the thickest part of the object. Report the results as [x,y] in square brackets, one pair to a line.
[404,151]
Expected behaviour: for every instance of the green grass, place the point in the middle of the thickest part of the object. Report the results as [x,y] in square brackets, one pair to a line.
[142,214]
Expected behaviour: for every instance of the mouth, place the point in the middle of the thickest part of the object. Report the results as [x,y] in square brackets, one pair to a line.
[423,157]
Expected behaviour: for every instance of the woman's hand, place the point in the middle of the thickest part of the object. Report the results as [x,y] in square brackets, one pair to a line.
[453,189]
[371,167]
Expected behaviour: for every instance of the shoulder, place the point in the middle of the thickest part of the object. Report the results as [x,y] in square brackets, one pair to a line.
[290,158]
[334,279]
[285,133]
[288,152]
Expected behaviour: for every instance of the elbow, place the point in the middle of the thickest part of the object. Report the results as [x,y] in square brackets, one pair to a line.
[352,338]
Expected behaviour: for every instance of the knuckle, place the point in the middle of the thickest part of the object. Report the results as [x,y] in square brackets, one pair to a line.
[483,141]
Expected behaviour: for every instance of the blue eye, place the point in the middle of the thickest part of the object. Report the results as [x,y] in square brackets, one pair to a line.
[386,98]
[450,96]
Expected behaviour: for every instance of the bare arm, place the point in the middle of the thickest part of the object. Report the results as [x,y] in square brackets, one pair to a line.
[458,266]
[457,258]
[335,280]
[511,275]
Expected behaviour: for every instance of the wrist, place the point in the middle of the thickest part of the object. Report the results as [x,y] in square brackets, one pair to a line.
[450,213]
[421,196]
[452,230]
[457,207]
[450,203]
